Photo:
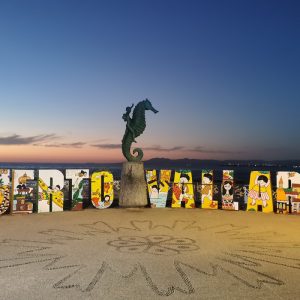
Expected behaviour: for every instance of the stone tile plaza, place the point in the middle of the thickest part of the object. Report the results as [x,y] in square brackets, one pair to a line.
[150,254]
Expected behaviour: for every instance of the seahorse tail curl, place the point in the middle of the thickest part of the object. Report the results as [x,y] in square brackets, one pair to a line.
[139,156]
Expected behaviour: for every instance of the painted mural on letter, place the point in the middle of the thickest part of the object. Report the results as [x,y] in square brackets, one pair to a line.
[77,177]
[24,191]
[158,189]
[4,190]
[183,190]
[207,187]
[102,189]
[228,191]
[260,192]
[288,192]
[51,197]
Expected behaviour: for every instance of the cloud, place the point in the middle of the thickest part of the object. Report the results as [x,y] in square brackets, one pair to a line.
[16,139]
[107,146]
[101,140]
[201,149]
[153,148]
[65,145]
[160,148]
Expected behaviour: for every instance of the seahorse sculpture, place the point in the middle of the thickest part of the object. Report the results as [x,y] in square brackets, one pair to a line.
[135,126]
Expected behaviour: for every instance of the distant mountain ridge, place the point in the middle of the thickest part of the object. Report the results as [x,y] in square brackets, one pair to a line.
[161,162]
[203,163]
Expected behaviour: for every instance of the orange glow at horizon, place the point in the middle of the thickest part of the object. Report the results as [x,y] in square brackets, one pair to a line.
[60,155]
[41,154]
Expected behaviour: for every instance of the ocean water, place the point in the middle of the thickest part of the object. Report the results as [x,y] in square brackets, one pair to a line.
[241,173]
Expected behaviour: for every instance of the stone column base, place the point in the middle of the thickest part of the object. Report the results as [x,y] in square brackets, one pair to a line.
[133,192]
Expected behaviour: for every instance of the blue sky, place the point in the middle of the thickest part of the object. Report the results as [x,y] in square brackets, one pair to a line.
[224,76]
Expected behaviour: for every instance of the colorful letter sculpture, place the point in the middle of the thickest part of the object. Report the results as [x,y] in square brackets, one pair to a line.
[288,192]
[260,192]
[77,178]
[27,191]
[4,190]
[183,190]
[102,189]
[228,191]
[25,188]
[51,198]
[158,192]
[207,190]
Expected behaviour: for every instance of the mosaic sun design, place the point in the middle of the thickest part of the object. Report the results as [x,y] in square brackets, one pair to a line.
[194,256]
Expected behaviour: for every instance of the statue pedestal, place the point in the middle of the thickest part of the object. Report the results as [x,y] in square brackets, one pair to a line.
[133,191]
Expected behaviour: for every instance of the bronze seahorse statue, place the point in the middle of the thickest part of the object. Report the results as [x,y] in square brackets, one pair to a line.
[135,126]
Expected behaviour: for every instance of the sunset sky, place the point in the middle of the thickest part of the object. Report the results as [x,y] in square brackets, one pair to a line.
[224,75]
